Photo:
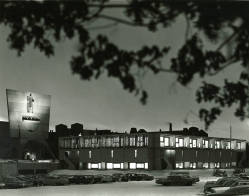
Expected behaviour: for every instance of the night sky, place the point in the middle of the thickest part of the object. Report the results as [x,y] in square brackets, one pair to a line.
[103,103]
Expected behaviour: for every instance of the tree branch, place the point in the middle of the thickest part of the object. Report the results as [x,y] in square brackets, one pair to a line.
[228,39]
[120,20]
[187,27]
[227,64]
[100,8]
[103,26]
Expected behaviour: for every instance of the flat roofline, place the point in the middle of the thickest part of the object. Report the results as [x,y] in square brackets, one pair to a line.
[163,132]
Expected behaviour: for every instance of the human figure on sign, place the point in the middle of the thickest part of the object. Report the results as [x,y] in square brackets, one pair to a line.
[30,103]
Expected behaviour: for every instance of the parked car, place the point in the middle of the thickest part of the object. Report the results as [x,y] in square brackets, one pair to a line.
[2,184]
[13,182]
[106,178]
[219,183]
[134,177]
[219,173]
[139,177]
[237,190]
[185,173]
[178,180]
[97,178]
[81,179]
[225,185]
[243,176]
[119,177]
[53,180]
[238,171]
[146,177]
[31,179]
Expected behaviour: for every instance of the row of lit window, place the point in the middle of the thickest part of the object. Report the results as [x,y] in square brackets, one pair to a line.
[193,165]
[179,142]
[111,153]
[117,166]
[94,142]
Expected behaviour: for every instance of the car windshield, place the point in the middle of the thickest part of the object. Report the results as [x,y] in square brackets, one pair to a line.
[221,181]
[231,183]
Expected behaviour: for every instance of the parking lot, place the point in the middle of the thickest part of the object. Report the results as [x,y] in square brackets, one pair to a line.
[116,188]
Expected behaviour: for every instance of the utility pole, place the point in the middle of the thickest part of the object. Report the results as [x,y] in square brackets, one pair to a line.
[231,153]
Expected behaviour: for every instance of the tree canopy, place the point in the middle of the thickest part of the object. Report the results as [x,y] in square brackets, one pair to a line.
[43,23]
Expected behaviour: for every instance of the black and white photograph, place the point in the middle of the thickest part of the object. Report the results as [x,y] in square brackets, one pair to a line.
[124,97]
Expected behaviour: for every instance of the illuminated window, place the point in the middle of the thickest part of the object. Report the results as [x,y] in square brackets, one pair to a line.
[109,166]
[132,141]
[161,141]
[135,153]
[146,140]
[238,145]
[126,139]
[90,154]
[94,141]
[233,145]
[194,143]
[89,166]
[108,141]
[87,142]
[112,153]
[166,141]
[140,165]
[102,141]
[121,141]
[146,166]
[179,165]
[116,165]
[227,145]
[217,165]
[140,141]
[205,143]
[115,142]
[132,165]
[217,144]
[199,144]
[95,166]
[81,142]
[205,165]
[192,165]
[179,142]
[190,143]
[122,165]
[186,143]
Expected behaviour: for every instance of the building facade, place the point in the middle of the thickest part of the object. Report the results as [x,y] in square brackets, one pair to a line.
[152,150]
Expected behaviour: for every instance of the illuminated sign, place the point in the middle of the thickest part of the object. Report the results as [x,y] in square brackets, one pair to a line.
[30,118]
[30,103]
[28,114]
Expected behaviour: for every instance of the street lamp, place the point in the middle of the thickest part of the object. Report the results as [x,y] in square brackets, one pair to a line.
[33,159]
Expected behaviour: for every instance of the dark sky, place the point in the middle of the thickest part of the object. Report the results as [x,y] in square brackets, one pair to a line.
[103,103]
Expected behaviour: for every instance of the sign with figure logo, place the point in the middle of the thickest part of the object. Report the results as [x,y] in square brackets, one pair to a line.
[29,114]
[30,102]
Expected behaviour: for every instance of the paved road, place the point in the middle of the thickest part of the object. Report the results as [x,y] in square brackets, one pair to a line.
[110,189]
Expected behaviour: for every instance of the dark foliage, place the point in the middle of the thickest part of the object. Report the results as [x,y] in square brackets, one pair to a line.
[42,23]
[133,130]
